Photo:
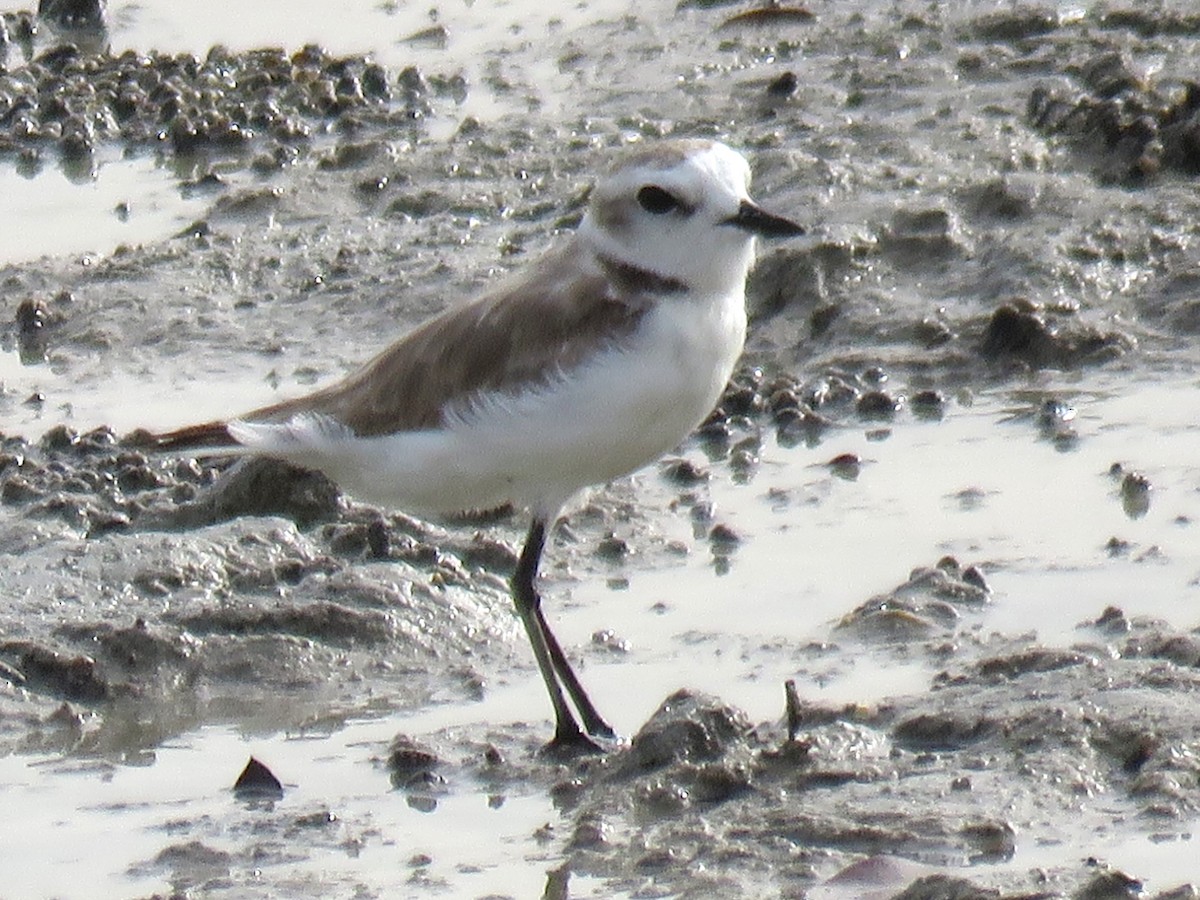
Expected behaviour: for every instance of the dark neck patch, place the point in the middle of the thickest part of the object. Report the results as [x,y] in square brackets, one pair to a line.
[638,280]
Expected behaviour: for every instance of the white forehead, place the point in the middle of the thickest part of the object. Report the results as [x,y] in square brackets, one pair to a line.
[691,169]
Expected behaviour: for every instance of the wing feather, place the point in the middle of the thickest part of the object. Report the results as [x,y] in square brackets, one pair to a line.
[526,333]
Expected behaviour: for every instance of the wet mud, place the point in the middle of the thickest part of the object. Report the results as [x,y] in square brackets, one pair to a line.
[995,198]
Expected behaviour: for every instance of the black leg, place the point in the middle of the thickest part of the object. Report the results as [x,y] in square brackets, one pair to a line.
[551,660]
[566,729]
[593,722]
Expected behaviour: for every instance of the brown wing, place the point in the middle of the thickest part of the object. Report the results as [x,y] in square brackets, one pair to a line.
[547,321]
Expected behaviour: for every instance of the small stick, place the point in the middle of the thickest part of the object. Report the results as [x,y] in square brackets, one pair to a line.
[792,708]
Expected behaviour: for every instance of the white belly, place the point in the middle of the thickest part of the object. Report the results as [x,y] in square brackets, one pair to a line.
[620,411]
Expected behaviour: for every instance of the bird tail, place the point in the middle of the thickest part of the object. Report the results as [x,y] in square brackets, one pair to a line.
[205,436]
[296,438]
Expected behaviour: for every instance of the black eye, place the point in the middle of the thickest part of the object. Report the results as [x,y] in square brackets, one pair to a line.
[654,199]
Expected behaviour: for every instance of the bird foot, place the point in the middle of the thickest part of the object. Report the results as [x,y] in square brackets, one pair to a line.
[572,743]
[598,728]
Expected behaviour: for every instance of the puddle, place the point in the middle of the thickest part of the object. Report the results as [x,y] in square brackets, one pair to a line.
[458,35]
[126,201]
[170,821]
[397,33]
[1164,860]
[122,401]
[339,827]
[1169,857]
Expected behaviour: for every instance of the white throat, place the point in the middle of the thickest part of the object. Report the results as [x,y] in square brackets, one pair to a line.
[712,267]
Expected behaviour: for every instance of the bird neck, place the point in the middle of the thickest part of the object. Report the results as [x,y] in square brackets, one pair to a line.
[635,279]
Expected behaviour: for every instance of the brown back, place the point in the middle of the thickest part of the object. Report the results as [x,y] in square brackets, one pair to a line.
[546,322]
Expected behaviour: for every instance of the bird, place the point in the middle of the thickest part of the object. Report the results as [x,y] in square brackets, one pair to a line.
[602,355]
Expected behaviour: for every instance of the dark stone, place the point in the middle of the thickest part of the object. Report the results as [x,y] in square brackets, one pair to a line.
[684,473]
[257,780]
[86,15]
[783,86]
[413,766]
[928,404]
[876,405]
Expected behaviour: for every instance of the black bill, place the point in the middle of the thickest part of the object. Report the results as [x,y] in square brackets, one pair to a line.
[753,218]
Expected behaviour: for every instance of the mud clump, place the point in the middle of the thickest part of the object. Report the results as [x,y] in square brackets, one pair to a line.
[259,486]
[1022,23]
[931,601]
[1026,730]
[34,321]
[951,730]
[96,483]
[921,236]
[134,649]
[1142,128]
[1036,659]
[59,674]
[327,622]
[686,727]
[798,301]
[194,580]
[1042,338]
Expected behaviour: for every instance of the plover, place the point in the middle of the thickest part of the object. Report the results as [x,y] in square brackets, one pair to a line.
[596,360]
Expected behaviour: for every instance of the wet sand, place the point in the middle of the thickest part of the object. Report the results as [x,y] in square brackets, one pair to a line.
[951,494]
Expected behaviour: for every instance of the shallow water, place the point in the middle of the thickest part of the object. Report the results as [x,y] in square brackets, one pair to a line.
[120,818]
[129,201]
